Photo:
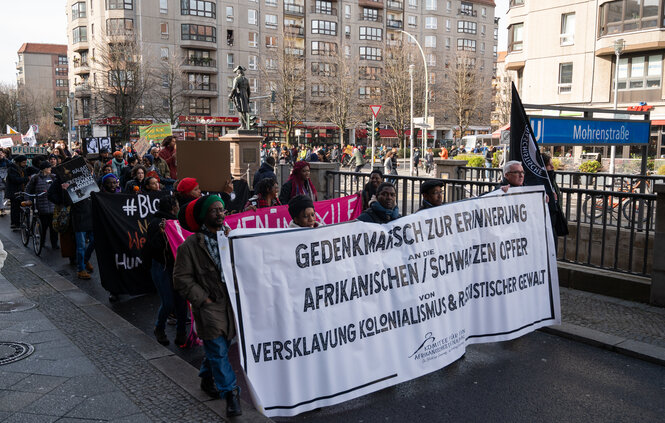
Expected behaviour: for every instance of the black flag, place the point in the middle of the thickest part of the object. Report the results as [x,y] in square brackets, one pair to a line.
[523,147]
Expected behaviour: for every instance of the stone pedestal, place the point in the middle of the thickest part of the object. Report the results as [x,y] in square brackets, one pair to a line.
[318,172]
[658,271]
[448,168]
[245,153]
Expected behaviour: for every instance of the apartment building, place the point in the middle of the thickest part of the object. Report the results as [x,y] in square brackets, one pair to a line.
[42,71]
[562,52]
[213,37]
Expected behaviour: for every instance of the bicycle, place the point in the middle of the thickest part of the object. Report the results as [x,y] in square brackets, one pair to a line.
[30,224]
[630,207]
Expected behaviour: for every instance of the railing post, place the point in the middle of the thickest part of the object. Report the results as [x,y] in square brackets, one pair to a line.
[658,272]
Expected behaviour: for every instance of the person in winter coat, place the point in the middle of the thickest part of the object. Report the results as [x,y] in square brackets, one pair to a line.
[135,185]
[99,164]
[40,183]
[158,251]
[388,166]
[298,184]
[16,180]
[110,184]
[416,160]
[384,209]
[160,164]
[187,190]
[265,195]
[369,192]
[118,162]
[429,160]
[4,167]
[197,277]
[126,173]
[358,160]
[267,170]
[168,154]
[301,210]
[431,191]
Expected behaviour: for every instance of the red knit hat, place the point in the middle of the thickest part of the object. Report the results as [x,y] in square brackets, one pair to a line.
[186,217]
[186,185]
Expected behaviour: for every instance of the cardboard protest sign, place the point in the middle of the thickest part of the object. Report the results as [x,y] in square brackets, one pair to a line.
[81,181]
[330,314]
[120,224]
[141,146]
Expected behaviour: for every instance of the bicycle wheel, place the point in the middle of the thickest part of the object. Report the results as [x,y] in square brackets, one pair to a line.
[37,240]
[25,227]
[593,206]
[631,211]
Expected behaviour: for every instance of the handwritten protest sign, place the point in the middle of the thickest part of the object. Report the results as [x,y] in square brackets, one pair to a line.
[78,175]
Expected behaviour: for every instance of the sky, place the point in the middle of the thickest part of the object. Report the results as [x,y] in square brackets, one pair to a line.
[44,21]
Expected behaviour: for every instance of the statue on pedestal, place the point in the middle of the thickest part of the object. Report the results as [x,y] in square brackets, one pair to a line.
[240,96]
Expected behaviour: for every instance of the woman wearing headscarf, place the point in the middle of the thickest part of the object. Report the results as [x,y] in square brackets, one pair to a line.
[298,184]
[186,190]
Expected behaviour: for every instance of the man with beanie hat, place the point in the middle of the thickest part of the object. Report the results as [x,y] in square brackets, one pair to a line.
[198,278]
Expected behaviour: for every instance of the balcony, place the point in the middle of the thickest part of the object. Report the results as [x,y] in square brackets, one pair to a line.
[370,18]
[81,68]
[374,4]
[467,12]
[294,31]
[82,90]
[294,9]
[394,43]
[324,11]
[395,5]
[80,45]
[201,90]
[199,44]
[200,64]
[392,23]
[298,52]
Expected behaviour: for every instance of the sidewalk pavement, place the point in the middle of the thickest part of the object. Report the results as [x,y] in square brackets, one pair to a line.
[88,363]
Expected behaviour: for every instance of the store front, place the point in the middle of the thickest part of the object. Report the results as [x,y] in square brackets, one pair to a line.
[207,127]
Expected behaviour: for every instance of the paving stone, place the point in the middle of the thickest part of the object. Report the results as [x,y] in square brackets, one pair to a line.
[54,405]
[134,418]
[105,407]
[41,384]
[31,418]
[85,386]
[8,379]
[15,400]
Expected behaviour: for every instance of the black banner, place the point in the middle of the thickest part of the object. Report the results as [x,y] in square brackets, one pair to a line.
[120,223]
[78,175]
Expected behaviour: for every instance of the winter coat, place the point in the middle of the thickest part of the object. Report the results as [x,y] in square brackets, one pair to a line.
[196,278]
[162,168]
[371,216]
[265,171]
[358,158]
[81,212]
[157,248]
[168,155]
[285,193]
[40,183]
[118,166]
[16,180]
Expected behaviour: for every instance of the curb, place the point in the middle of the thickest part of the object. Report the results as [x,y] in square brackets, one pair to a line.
[628,347]
[160,358]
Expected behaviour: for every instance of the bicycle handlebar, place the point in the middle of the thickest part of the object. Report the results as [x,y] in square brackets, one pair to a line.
[32,195]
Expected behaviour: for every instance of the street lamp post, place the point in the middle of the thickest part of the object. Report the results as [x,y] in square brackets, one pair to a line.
[18,116]
[422,53]
[618,48]
[412,68]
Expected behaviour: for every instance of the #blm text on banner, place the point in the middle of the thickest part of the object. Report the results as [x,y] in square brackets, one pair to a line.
[330,314]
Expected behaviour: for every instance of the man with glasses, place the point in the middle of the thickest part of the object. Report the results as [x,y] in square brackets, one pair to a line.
[513,175]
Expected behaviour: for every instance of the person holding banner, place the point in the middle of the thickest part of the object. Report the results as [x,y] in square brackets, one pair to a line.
[197,277]
[298,184]
[369,192]
[432,194]
[384,209]
[513,175]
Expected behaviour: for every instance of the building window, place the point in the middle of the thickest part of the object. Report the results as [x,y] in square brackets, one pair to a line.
[271,21]
[230,61]
[640,72]
[515,37]
[200,81]
[253,40]
[119,4]
[271,2]
[271,41]
[229,37]
[323,7]
[370,14]
[412,21]
[565,78]
[567,29]
[413,3]
[431,60]
[78,10]
[628,15]
[119,26]
[347,11]
[371,53]
[430,22]
[62,60]
[60,82]
[466,44]
[323,69]
[164,53]
[370,33]
[320,48]
[369,92]
[448,43]
[164,27]
[199,33]
[229,13]
[252,62]
[467,9]
[252,17]
[79,34]
[371,73]
[61,71]
[205,9]
[271,64]
[163,6]
[430,4]
[319,90]
[516,3]
[467,27]
[120,78]
[199,106]
[324,27]
[430,41]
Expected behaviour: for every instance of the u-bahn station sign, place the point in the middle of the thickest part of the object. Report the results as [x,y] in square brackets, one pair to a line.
[558,131]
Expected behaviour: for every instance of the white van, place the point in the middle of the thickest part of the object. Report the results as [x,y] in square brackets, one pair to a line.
[472,141]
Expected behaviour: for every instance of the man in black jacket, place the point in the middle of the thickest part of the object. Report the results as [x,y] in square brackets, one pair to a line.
[16,180]
[385,208]
[267,170]
[432,194]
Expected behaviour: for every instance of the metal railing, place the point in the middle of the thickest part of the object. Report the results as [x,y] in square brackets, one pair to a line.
[610,230]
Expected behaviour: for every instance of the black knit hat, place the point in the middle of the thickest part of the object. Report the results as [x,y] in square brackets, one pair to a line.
[298,204]
[429,184]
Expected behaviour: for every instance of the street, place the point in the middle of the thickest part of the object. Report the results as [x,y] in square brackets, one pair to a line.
[539,377]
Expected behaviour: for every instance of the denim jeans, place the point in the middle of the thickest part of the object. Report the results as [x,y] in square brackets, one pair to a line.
[171,300]
[84,253]
[217,364]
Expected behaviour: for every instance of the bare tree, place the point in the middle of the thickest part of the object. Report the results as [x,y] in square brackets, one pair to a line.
[284,72]
[8,106]
[502,98]
[125,79]
[336,81]
[468,92]
[168,89]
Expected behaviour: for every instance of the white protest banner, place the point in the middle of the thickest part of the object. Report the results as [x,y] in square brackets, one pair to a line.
[29,137]
[6,142]
[330,314]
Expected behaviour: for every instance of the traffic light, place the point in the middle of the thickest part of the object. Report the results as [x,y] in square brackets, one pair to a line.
[377,134]
[272,96]
[60,116]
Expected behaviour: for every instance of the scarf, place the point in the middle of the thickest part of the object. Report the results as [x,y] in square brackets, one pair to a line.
[390,214]
[212,246]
